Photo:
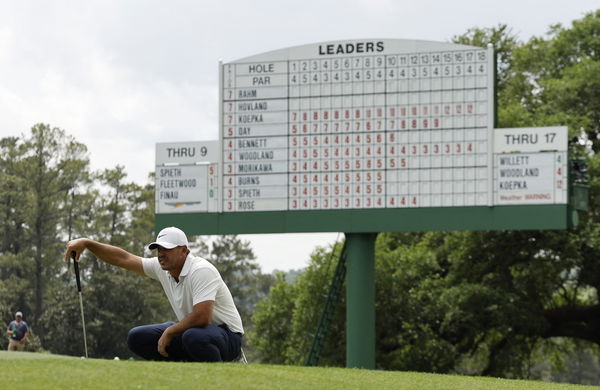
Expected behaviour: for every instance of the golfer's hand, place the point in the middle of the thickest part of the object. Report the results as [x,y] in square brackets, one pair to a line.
[77,246]
[164,342]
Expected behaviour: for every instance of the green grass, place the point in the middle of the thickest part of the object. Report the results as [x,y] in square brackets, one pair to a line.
[23,371]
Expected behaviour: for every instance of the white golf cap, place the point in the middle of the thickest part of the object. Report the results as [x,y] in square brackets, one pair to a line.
[169,238]
[18,314]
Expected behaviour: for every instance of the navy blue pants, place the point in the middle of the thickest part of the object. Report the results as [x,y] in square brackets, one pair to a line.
[207,344]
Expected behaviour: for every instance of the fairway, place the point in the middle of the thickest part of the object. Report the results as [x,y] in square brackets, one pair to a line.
[26,371]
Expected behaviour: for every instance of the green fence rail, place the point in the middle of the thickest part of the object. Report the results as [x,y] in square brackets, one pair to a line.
[333,297]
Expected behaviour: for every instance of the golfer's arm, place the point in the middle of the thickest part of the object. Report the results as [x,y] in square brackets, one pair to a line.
[108,253]
[201,316]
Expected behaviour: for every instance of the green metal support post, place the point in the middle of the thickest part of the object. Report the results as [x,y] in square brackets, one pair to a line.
[360,300]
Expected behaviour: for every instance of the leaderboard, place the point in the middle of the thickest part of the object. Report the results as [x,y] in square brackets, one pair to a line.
[358,124]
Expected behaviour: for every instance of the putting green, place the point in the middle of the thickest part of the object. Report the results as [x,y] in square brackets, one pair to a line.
[31,355]
[31,371]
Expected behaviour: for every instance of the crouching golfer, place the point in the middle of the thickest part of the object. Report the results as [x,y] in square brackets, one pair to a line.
[209,327]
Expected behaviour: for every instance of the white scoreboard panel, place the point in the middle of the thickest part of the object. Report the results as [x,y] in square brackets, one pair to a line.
[530,166]
[186,177]
[358,124]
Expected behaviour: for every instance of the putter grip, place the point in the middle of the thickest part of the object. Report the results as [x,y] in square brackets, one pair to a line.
[76,265]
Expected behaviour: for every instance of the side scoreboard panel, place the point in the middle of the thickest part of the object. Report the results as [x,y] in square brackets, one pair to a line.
[186,177]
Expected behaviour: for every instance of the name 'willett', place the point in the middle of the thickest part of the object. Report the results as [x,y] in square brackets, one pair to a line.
[515,174]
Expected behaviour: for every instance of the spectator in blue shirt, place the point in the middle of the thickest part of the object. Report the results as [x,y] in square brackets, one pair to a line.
[17,332]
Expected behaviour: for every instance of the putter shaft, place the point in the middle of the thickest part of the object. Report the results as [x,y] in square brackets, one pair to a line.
[83,324]
[76,265]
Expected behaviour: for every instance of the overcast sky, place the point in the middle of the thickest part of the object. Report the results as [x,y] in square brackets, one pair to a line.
[123,75]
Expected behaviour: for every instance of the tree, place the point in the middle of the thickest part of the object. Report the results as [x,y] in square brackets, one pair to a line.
[270,336]
[551,82]
[48,195]
[13,287]
[237,265]
[12,187]
[489,303]
[116,300]
[38,172]
[286,321]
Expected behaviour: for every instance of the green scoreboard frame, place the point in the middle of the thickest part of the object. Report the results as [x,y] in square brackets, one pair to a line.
[530,217]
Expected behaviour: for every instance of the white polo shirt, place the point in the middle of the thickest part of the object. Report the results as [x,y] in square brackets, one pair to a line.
[199,281]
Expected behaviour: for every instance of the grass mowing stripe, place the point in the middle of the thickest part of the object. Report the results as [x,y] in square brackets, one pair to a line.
[39,371]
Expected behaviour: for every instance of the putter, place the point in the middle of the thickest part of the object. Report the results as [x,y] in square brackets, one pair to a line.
[76,265]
